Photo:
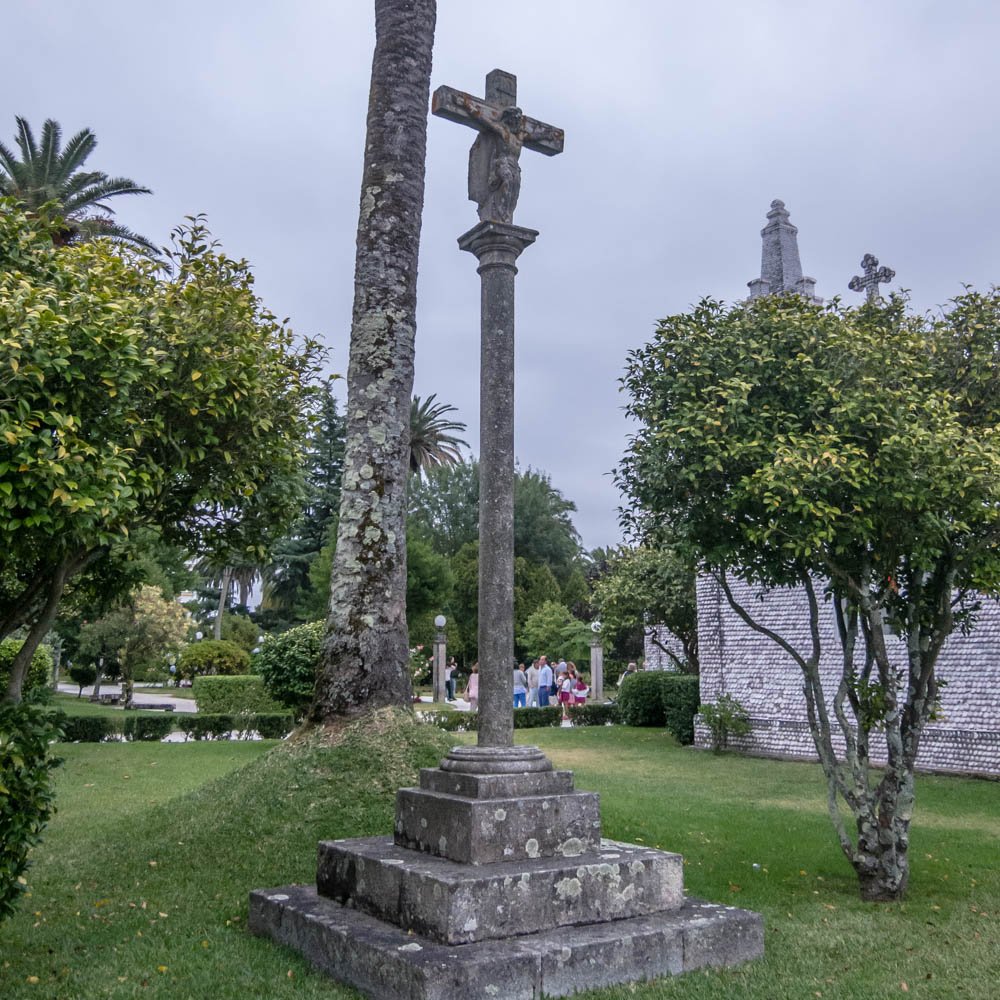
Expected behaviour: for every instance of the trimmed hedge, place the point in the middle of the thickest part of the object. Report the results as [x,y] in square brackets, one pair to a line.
[145,728]
[235,695]
[524,718]
[270,725]
[90,729]
[661,698]
[593,715]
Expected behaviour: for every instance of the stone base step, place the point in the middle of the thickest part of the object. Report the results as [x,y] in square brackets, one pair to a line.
[387,963]
[457,904]
[481,831]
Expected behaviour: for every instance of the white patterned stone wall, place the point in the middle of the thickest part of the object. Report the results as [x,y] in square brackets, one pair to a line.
[736,660]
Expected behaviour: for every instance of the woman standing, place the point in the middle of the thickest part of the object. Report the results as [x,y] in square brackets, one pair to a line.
[472,688]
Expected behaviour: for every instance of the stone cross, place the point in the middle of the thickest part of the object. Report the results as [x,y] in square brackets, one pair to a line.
[873,277]
[494,171]
[494,180]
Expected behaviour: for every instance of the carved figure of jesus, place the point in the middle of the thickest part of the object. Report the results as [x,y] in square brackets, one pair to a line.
[494,170]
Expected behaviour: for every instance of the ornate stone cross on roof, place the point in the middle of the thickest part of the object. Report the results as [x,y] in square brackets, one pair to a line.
[873,277]
[494,171]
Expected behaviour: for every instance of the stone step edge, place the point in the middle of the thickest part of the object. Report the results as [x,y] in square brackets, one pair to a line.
[389,964]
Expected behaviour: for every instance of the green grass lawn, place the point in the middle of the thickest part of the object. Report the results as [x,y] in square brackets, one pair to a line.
[71,705]
[140,888]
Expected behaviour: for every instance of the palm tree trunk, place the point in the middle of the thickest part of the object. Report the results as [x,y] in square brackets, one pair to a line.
[227,580]
[364,662]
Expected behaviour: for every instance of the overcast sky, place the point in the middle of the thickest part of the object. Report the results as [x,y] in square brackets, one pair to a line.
[876,123]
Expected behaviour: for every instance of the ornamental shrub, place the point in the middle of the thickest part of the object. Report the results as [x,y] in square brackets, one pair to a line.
[90,728]
[151,728]
[270,725]
[39,673]
[212,656]
[236,695]
[288,661]
[725,717]
[592,715]
[82,674]
[26,794]
[639,700]
[206,727]
[680,694]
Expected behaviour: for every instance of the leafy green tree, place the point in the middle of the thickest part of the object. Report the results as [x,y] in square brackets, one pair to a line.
[552,630]
[428,587]
[288,664]
[432,441]
[47,179]
[444,506]
[290,591]
[140,635]
[791,444]
[135,401]
[543,525]
[651,586]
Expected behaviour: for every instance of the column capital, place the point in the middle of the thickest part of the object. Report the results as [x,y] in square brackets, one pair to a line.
[497,243]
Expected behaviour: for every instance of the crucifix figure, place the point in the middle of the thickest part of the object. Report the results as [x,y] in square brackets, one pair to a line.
[873,277]
[494,170]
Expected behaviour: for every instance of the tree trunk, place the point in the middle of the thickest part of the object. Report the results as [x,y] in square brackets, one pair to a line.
[365,655]
[227,581]
[40,627]
[95,695]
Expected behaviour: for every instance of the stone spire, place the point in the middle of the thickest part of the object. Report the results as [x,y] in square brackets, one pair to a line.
[780,267]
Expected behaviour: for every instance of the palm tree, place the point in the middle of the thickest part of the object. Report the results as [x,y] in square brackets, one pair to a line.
[430,441]
[47,179]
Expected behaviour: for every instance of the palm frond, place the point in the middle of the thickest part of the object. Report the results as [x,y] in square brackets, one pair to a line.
[49,155]
[97,226]
[76,151]
[431,440]
[26,142]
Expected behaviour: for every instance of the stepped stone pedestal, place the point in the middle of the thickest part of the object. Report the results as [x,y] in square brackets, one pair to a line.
[499,885]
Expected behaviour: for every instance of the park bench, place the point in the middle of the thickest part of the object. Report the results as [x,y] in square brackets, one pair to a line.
[110,699]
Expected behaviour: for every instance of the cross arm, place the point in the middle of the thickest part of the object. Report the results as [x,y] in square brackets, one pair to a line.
[457,106]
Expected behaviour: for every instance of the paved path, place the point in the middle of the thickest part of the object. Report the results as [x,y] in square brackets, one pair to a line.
[140,699]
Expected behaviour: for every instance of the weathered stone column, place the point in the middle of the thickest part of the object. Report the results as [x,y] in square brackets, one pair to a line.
[440,658]
[496,246]
[596,670]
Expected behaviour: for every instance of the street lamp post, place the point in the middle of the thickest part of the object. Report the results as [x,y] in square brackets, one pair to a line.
[440,656]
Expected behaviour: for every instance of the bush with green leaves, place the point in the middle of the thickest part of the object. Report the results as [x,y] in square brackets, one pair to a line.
[593,715]
[269,725]
[212,656]
[83,675]
[680,694]
[524,718]
[288,661]
[149,728]
[39,673]
[639,700]
[725,717]
[26,793]
[239,694]
[90,728]
[660,698]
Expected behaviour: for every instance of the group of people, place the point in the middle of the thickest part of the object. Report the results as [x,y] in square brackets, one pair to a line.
[543,683]
[539,685]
